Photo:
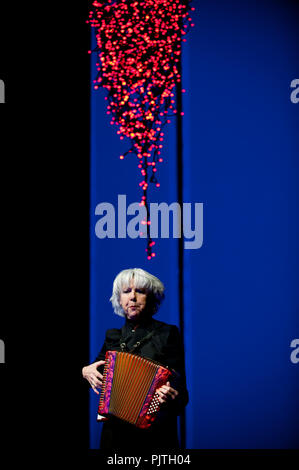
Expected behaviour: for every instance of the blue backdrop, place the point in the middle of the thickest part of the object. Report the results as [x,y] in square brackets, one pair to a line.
[240,158]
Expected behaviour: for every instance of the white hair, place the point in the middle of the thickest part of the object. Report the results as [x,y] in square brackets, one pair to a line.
[142,279]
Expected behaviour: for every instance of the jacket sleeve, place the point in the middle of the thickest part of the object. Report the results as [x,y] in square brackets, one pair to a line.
[101,354]
[111,343]
[173,353]
[101,357]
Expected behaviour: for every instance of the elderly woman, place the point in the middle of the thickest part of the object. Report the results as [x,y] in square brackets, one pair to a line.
[137,296]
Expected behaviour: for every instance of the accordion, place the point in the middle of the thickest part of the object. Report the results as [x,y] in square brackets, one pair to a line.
[129,388]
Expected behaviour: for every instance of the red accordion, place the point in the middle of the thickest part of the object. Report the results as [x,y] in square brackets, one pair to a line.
[129,388]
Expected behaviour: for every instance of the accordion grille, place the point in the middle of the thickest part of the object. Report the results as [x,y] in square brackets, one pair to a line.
[132,378]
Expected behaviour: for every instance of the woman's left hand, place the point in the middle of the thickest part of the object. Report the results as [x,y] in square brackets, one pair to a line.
[166,392]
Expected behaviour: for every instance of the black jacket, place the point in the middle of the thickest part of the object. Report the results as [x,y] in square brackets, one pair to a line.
[164,346]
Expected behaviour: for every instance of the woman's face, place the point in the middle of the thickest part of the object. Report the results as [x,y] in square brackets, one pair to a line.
[133,301]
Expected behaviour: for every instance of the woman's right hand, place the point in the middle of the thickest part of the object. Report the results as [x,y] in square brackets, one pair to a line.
[93,376]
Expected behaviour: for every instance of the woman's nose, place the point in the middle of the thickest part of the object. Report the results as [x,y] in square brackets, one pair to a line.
[132,294]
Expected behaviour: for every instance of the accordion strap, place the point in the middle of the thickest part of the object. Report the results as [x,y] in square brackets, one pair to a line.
[123,342]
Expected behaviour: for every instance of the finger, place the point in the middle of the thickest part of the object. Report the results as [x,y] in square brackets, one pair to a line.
[94,376]
[168,395]
[172,392]
[99,363]
[161,396]
[95,390]
[161,399]
[170,389]
[162,393]
[95,382]
[169,392]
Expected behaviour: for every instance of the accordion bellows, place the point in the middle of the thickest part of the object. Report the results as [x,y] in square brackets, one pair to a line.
[129,388]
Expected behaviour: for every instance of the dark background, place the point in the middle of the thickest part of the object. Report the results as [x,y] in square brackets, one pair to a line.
[45,222]
[45,191]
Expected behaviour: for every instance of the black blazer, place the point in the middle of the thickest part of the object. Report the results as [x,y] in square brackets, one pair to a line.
[165,346]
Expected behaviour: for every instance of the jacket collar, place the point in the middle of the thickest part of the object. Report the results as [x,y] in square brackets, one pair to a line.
[146,324]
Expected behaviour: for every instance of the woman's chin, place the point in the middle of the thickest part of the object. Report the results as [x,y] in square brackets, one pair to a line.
[133,315]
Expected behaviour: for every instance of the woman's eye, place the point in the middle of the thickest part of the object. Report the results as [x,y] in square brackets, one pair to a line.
[139,291]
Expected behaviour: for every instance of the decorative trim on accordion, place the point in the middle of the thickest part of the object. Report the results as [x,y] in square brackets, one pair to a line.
[152,405]
[107,380]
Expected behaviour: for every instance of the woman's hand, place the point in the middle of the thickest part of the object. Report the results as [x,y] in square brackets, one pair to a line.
[93,376]
[166,392]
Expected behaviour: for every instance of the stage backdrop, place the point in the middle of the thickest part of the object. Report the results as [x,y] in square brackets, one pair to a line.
[240,159]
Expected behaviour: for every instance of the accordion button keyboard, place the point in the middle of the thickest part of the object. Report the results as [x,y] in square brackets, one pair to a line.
[154,404]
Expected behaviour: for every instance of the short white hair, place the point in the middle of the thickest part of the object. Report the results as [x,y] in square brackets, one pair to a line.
[142,279]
